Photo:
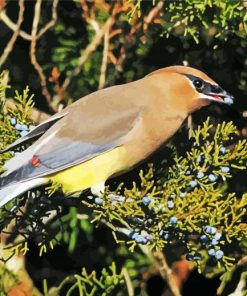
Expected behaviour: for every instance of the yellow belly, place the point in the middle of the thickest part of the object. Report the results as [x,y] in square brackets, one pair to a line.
[92,172]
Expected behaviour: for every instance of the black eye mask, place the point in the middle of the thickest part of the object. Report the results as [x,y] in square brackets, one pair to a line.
[212,90]
[204,87]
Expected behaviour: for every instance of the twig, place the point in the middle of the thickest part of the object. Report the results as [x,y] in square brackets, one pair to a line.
[122,230]
[87,16]
[88,51]
[129,285]
[94,24]
[129,40]
[14,27]
[134,34]
[166,273]
[12,41]
[5,80]
[36,115]
[152,15]
[2,4]
[54,290]
[242,261]
[104,60]
[159,260]
[240,289]
[34,61]
[52,22]
[190,126]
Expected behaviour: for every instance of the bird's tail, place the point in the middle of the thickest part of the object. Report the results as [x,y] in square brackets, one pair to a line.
[13,190]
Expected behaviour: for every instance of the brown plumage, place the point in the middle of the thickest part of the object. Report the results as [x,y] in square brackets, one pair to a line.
[109,131]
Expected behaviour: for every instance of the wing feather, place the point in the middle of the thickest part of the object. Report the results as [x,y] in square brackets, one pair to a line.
[66,144]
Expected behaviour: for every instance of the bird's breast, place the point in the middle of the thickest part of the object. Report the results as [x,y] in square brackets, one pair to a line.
[152,132]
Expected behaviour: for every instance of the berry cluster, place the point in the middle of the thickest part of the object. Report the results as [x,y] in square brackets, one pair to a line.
[201,174]
[114,198]
[208,240]
[140,238]
[216,254]
[22,128]
[211,177]
[212,239]
[172,232]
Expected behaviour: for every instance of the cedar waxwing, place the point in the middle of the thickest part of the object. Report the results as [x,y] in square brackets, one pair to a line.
[108,132]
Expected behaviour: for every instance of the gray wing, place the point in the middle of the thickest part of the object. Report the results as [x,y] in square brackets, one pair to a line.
[77,137]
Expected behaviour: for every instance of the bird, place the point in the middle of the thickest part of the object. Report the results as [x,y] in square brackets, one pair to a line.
[107,132]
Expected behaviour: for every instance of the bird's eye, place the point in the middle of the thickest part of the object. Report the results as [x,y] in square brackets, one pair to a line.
[198,83]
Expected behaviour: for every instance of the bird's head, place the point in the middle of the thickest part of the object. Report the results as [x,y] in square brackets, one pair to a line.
[193,88]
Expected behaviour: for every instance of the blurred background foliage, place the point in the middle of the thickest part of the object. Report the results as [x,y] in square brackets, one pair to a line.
[88,45]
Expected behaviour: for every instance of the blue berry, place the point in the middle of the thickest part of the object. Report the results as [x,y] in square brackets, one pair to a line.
[173,220]
[193,183]
[213,230]
[210,229]
[149,237]
[207,228]
[170,204]
[200,175]
[18,127]
[197,256]
[212,177]
[24,127]
[187,172]
[214,242]
[225,169]
[44,200]
[204,239]
[140,239]
[182,194]
[218,236]
[211,252]
[146,200]
[219,254]
[144,240]
[24,133]
[223,150]
[166,236]
[189,257]
[12,121]
[98,201]
[133,234]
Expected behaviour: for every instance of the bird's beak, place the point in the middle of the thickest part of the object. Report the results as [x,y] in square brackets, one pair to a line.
[221,97]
